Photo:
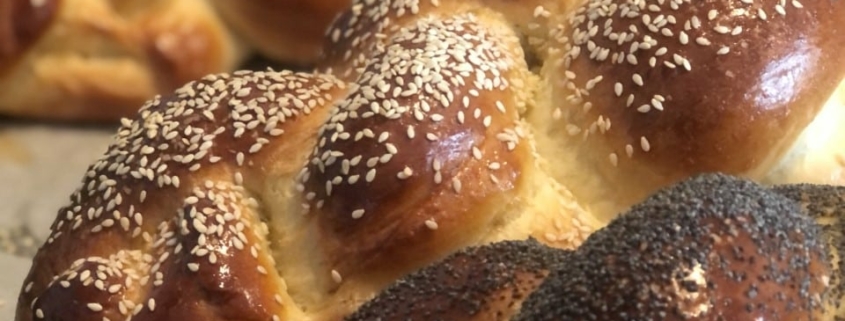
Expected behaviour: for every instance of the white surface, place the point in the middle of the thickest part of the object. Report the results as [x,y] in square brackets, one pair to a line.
[39,168]
[14,269]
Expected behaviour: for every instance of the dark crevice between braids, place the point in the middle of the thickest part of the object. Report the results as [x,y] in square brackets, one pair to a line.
[532,60]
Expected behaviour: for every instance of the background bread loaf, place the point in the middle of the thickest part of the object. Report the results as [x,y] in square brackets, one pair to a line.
[289,31]
[99,60]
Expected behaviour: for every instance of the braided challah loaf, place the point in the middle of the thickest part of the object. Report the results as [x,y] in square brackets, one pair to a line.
[492,137]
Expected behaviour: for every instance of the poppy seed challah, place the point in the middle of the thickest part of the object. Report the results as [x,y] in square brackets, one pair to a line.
[710,248]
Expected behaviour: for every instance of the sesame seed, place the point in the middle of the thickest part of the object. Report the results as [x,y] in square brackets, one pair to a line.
[638,80]
[646,146]
[657,104]
[696,23]
[476,153]
[456,184]
[500,106]
[712,14]
[391,148]
[336,276]
[356,214]
[405,173]
[96,307]
[539,11]
[687,65]
[431,224]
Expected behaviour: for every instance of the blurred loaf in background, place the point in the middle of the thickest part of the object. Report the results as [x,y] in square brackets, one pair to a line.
[99,60]
[288,31]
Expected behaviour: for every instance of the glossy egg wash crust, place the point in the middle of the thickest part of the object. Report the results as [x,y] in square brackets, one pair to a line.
[434,127]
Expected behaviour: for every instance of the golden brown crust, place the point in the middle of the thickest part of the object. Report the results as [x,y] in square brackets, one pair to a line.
[357,33]
[450,143]
[663,93]
[287,31]
[99,60]
[167,209]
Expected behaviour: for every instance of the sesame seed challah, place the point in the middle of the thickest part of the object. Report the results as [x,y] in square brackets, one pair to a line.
[448,159]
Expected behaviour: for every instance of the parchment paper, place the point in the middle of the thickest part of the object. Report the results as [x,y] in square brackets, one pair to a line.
[40,166]
[14,270]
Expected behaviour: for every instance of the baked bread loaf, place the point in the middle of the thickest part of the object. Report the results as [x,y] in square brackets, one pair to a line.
[434,127]
[99,60]
[710,248]
[285,31]
[644,96]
